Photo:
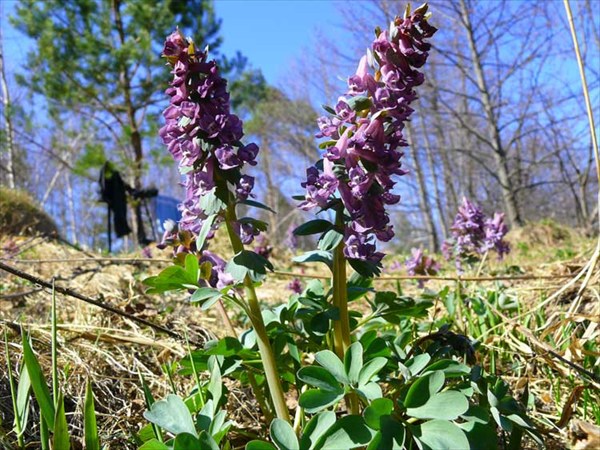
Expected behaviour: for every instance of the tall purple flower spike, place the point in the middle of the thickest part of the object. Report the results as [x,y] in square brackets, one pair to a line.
[202,134]
[364,135]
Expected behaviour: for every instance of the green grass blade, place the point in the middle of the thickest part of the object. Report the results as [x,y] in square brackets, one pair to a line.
[61,439]
[14,395]
[44,434]
[38,384]
[90,429]
[55,387]
[149,399]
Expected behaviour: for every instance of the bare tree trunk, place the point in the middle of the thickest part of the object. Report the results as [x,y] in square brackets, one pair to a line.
[423,198]
[71,208]
[135,138]
[8,127]
[499,152]
[438,196]
[451,195]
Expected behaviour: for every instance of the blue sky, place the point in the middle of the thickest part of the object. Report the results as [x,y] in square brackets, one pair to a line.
[270,33]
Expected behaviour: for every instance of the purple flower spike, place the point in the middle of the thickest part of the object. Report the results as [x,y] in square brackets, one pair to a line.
[365,138]
[473,234]
[201,132]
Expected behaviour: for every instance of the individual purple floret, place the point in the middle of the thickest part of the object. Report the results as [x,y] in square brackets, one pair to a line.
[364,136]
[295,286]
[474,235]
[203,135]
[421,264]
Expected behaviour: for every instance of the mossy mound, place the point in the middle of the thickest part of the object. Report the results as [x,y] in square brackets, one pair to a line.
[20,215]
[546,233]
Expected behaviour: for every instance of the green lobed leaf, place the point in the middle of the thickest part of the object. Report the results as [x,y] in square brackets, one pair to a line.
[390,437]
[206,296]
[259,445]
[423,389]
[192,268]
[376,410]
[365,269]
[213,201]
[153,444]
[315,400]
[333,364]
[257,205]
[370,369]
[481,436]
[315,428]
[353,362]
[330,240]
[346,433]
[215,384]
[172,415]
[283,435]
[248,263]
[205,230]
[313,227]
[315,256]
[370,391]
[448,405]
[318,377]
[440,435]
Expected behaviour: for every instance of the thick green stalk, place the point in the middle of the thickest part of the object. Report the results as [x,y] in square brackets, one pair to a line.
[341,327]
[255,316]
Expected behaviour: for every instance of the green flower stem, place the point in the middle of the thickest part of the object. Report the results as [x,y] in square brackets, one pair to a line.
[255,316]
[341,327]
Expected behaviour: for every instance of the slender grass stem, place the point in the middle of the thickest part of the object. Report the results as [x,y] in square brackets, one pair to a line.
[255,316]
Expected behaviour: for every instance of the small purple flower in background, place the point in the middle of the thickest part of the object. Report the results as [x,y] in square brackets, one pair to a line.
[295,286]
[147,252]
[473,234]
[395,266]
[364,136]
[290,238]
[262,246]
[420,264]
